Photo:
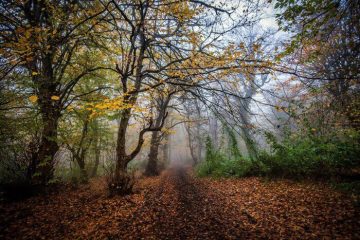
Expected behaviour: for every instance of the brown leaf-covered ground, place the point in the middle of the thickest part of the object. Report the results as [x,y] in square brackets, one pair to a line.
[178,205]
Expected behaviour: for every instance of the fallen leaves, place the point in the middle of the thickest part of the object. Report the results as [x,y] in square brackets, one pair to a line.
[177,205]
[287,210]
[73,214]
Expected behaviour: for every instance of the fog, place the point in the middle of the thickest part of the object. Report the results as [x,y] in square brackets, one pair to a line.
[179,147]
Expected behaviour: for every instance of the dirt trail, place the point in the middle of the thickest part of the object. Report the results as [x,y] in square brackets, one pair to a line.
[177,205]
[181,208]
[186,207]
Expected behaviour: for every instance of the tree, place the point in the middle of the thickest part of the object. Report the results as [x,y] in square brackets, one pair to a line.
[97,145]
[326,49]
[79,143]
[161,43]
[161,105]
[193,126]
[39,39]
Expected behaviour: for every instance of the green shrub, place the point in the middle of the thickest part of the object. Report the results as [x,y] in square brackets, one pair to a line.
[309,155]
[312,155]
[217,164]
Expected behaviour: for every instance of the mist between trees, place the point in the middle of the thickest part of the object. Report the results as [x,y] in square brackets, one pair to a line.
[120,88]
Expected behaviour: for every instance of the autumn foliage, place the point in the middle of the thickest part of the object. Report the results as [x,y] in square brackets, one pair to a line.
[104,102]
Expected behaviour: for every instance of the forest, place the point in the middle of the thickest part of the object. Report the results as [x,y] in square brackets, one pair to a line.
[179,119]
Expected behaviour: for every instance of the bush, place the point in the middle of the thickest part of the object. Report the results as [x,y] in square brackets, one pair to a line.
[312,155]
[217,164]
[298,156]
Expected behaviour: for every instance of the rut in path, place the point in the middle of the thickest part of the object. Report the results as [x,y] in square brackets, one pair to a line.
[181,208]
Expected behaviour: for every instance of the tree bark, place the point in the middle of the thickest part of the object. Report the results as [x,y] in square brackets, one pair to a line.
[165,149]
[198,132]
[152,166]
[191,145]
[97,146]
[43,166]
[83,173]
[121,157]
[121,182]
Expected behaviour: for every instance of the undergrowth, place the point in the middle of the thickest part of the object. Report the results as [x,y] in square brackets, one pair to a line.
[332,157]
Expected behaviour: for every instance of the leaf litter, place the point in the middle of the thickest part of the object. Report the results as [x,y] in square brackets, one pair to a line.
[177,205]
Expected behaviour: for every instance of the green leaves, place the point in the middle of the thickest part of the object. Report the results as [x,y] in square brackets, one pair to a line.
[307,19]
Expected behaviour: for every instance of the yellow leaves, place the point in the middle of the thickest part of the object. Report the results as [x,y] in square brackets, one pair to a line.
[20,30]
[37,30]
[179,9]
[55,98]
[256,47]
[249,126]
[70,108]
[34,73]
[193,38]
[279,57]
[22,46]
[108,105]
[176,74]
[157,55]
[27,34]
[93,115]
[29,59]
[33,98]
[279,108]
[168,131]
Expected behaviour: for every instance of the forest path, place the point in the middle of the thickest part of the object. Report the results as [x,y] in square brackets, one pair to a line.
[181,208]
[178,205]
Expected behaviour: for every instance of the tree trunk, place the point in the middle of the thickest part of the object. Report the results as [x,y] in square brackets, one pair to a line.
[121,157]
[198,132]
[43,165]
[191,145]
[214,130]
[249,142]
[82,150]
[97,149]
[120,182]
[83,173]
[199,148]
[97,157]
[166,149]
[50,110]
[152,166]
